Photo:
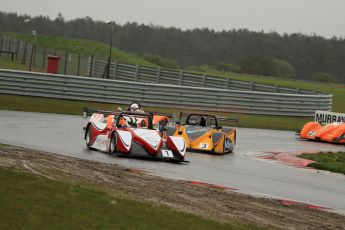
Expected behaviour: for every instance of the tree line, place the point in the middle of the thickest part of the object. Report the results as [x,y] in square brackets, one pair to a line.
[309,57]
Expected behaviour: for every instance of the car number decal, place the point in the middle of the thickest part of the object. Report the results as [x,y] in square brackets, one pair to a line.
[312,133]
[203,145]
[167,153]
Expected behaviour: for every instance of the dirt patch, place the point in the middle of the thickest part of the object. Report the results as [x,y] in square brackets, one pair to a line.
[211,202]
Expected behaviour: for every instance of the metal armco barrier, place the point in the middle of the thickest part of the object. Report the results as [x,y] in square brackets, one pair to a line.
[160,95]
[137,73]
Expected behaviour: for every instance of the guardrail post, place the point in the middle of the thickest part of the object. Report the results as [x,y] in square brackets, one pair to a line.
[25,52]
[31,57]
[65,67]
[180,79]
[298,90]
[203,80]
[115,70]
[136,72]
[10,47]
[251,86]
[44,57]
[91,65]
[228,82]
[158,74]
[276,88]
[1,45]
[78,68]
[17,49]
[9,43]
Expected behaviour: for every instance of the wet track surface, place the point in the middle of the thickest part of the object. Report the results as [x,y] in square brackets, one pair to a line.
[63,134]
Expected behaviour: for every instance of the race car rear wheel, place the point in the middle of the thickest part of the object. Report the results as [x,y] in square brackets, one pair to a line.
[88,137]
[112,144]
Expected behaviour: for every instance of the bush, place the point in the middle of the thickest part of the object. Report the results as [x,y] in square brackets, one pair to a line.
[255,65]
[281,68]
[162,62]
[227,67]
[323,77]
[200,68]
[262,65]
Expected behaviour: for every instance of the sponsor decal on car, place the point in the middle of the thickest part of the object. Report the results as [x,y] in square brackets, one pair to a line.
[150,136]
[101,142]
[227,145]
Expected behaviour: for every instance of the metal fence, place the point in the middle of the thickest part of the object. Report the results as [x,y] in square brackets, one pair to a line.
[35,57]
[136,73]
[160,95]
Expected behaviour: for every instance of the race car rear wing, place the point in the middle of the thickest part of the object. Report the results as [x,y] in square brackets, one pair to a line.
[89,111]
[219,118]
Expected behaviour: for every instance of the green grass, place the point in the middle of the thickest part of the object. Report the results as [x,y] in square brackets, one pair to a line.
[334,162]
[82,46]
[273,122]
[6,63]
[33,202]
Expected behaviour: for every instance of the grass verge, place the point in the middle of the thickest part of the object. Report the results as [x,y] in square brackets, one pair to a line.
[48,105]
[7,64]
[34,202]
[334,162]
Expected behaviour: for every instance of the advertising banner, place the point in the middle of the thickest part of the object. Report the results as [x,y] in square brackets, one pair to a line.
[326,117]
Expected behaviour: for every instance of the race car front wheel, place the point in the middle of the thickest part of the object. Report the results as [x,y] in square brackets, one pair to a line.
[112,144]
[88,137]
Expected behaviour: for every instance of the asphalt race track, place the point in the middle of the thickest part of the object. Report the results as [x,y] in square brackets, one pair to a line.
[63,134]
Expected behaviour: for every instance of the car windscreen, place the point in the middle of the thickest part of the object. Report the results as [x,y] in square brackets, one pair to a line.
[134,121]
[201,120]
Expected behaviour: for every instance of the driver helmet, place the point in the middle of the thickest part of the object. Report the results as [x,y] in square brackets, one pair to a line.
[131,121]
[202,121]
[134,107]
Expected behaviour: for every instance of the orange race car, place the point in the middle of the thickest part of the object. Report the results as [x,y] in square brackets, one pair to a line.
[333,133]
[203,133]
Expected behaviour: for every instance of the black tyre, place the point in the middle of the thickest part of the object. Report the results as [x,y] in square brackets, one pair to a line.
[112,144]
[88,137]
[162,125]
